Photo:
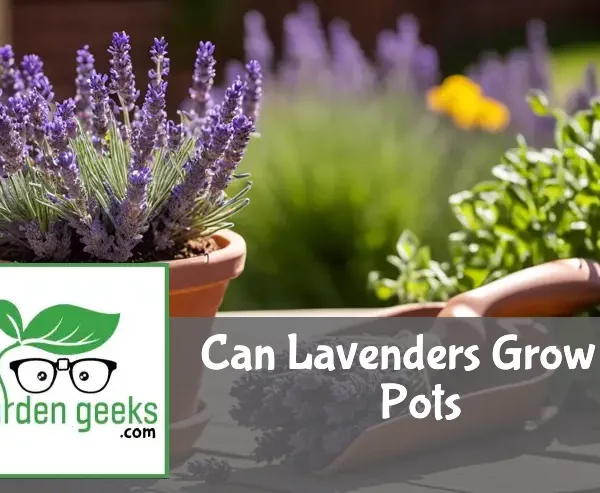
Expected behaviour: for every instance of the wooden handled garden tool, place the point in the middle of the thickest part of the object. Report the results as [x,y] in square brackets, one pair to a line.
[492,399]
[560,288]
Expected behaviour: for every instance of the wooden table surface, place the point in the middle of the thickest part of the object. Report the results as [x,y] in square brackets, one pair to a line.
[563,456]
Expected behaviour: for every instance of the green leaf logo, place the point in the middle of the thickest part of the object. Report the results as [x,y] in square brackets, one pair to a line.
[69,329]
[10,320]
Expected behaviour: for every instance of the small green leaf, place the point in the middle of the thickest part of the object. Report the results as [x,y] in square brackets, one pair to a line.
[407,245]
[538,102]
[10,320]
[69,329]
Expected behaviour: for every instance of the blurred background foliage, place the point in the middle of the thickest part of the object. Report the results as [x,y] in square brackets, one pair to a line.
[339,172]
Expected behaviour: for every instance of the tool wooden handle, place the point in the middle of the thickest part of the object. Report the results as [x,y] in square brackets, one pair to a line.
[555,289]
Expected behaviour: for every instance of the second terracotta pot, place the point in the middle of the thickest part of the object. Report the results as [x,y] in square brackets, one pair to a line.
[196,289]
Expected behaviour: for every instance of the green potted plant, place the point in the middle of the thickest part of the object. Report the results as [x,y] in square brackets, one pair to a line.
[527,240]
[107,177]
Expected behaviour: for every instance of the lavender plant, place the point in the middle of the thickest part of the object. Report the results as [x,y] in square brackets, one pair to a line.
[100,177]
[510,79]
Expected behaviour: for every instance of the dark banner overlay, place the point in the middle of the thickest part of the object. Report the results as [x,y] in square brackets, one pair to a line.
[389,404]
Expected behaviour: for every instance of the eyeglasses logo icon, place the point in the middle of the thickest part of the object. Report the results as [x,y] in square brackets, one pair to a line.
[88,375]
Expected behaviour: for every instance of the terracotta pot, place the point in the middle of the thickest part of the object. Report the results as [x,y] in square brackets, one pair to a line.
[196,289]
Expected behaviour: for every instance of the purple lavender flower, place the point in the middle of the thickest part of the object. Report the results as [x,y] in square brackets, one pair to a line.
[350,66]
[94,236]
[100,107]
[252,90]
[12,147]
[220,139]
[17,107]
[257,44]
[151,129]
[206,131]
[66,112]
[537,42]
[32,70]
[69,172]
[158,52]
[52,244]
[10,76]
[175,133]
[580,98]
[122,81]
[306,59]
[242,129]
[83,98]
[232,101]
[56,130]
[198,171]
[203,80]
[37,108]
[407,63]
[130,220]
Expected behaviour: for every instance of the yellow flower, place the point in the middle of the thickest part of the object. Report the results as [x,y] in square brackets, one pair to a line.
[493,115]
[466,112]
[436,100]
[463,100]
[459,84]
[453,89]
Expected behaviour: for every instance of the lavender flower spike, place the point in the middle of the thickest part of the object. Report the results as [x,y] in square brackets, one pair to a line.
[100,107]
[11,145]
[69,172]
[232,102]
[32,70]
[122,79]
[158,53]
[252,90]
[66,112]
[56,131]
[196,182]
[53,244]
[175,133]
[131,217]
[242,129]
[580,98]
[10,76]
[83,99]
[206,131]
[151,131]
[38,112]
[203,79]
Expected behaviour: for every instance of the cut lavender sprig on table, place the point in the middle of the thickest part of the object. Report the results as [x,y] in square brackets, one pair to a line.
[97,177]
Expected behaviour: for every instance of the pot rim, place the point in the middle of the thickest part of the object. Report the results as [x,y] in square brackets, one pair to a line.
[189,274]
[222,265]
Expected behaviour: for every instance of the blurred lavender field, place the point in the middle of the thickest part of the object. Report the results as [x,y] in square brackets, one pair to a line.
[350,155]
